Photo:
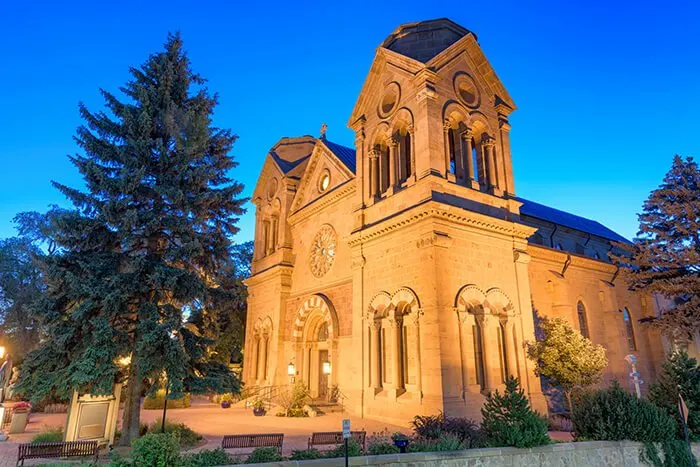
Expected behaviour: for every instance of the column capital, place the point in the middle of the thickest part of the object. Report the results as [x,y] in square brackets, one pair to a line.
[488,141]
[411,129]
[446,124]
[374,153]
[393,141]
[467,134]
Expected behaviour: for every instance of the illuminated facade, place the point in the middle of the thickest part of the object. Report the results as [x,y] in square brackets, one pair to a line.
[402,275]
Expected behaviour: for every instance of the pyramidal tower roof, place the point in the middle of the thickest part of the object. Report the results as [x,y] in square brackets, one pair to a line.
[425,39]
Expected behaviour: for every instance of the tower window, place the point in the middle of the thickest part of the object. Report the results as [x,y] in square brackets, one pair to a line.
[582,322]
[629,330]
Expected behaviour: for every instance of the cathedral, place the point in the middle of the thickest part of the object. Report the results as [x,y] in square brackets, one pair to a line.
[404,276]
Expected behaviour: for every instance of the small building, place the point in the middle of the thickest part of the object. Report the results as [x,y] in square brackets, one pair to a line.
[404,275]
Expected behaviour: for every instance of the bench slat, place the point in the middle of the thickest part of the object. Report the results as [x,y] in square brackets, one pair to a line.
[262,440]
[56,450]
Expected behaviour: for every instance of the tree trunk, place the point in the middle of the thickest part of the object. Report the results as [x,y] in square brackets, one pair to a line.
[132,408]
[126,416]
[568,400]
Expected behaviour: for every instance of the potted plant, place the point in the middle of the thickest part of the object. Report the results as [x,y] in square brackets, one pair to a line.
[20,416]
[400,441]
[259,408]
[226,400]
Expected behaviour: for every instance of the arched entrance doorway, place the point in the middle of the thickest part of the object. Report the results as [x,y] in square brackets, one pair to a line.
[316,345]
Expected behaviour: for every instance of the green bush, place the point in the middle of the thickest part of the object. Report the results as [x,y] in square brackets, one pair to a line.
[354,450]
[614,414]
[260,455]
[508,419]
[434,426]
[444,442]
[679,370]
[156,450]
[377,448]
[155,401]
[188,437]
[305,454]
[52,435]
[294,400]
[206,458]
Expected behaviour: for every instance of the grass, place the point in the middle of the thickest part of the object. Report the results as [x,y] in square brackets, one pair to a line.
[51,435]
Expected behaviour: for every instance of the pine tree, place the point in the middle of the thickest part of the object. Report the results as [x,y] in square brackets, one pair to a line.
[679,370]
[565,357]
[665,256]
[137,256]
[508,419]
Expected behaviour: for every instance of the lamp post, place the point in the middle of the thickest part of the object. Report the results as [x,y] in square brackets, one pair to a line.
[634,374]
[291,372]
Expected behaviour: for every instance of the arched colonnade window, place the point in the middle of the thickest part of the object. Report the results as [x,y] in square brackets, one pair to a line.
[488,338]
[393,330]
[392,155]
[262,334]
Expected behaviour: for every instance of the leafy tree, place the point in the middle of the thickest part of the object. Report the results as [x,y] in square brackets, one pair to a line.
[508,419]
[679,370]
[665,256]
[565,357]
[20,287]
[137,257]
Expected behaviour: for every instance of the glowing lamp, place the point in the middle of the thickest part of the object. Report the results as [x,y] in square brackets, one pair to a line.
[291,370]
[2,352]
[326,368]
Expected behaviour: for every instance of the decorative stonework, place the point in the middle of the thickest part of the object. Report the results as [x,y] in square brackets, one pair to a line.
[466,90]
[323,249]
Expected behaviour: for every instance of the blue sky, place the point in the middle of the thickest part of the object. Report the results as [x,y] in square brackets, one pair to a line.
[606,92]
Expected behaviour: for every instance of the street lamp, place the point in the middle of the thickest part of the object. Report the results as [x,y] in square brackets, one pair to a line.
[326,367]
[291,371]
[2,352]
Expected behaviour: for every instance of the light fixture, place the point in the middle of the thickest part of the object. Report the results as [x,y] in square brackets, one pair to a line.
[124,361]
[2,351]
[326,367]
[291,370]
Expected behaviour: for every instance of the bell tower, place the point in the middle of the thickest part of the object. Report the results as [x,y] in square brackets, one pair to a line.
[432,108]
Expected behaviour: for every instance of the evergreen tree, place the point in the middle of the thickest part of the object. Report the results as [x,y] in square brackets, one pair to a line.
[565,357]
[665,256]
[679,370]
[508,419]
[137,257]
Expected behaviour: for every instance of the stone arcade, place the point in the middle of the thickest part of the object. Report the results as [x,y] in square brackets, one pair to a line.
[402,275]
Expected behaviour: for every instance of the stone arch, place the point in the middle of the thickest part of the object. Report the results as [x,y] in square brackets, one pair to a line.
[380,304]
[453,113]
[498,302]
[379,135]
[402,119]
[324,307]
[479,123]
[407,296]
[469,298]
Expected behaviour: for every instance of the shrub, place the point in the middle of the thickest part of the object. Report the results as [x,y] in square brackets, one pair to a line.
[51,435]
[155,401]
[679,370]
[206,458]
[354,450]
[260,455]
[305,454]
[508,419]
[294,400]
[614,414]
[156,450]
[377,448]
[444,442]
[434,426]
[188,437]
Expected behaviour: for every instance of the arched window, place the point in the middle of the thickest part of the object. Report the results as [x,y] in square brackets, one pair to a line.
[582,322]
[629,329]
[452,142]
[256,360]
[323,332]
[404,154]
[266,237]
[383,168]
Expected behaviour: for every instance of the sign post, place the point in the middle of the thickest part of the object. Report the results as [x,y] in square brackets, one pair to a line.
[346,436]
[683,409]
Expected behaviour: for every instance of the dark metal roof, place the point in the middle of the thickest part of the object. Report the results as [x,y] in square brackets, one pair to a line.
[540,211]
[285,165]
[345,154]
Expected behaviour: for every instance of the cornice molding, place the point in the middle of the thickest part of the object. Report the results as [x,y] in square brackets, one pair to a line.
[278,270]
[434,209]
[337,194]
[542,253]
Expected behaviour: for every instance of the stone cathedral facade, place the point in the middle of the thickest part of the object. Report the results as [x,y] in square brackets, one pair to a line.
[404,275]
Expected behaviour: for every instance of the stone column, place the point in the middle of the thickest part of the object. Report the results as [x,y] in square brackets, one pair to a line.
[375,329]
[412,155]
[488,144]
[511,355]
[397,328]
[261,359]
[485,322]
[393,155]
[467,149]
[253,368]
[416,322]
[446,131]
[374,174]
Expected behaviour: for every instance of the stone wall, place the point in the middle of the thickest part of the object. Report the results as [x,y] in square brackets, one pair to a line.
[608,453]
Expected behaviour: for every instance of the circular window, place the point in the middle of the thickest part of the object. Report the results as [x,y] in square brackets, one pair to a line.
[324,181]
[390,100]
[271,188]
[466,90]
[322,251]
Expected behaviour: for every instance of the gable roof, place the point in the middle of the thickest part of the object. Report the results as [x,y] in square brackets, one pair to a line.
[423,40]
[345,154]
[572,221]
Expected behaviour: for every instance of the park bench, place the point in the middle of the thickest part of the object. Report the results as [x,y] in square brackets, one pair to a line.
[265,440]
[57,450]
[335,438]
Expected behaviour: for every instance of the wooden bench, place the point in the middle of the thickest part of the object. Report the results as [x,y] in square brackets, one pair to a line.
[327,438]
[57,450]
[265,440]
